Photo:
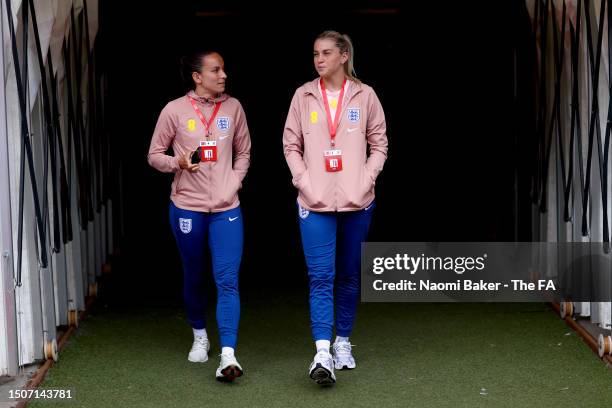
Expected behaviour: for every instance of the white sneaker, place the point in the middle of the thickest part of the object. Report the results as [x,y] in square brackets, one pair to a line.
[343,358]
[199,350]
[322,368]
[229,369]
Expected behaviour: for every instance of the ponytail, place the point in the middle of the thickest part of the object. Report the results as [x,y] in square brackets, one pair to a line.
[192,63]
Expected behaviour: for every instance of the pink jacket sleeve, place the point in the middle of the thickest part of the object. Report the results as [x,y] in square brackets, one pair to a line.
[241,145]
[376,133]
[163,135]
[293,141]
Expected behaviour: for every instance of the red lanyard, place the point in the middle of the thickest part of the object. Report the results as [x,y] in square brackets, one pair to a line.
[332,125]
[201,115]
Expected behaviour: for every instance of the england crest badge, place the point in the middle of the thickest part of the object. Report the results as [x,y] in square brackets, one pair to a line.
[303,212]
[223,123]
[185,225]
[353,115]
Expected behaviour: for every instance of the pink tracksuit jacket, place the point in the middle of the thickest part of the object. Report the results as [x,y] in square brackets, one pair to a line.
[306,137]
[215,186]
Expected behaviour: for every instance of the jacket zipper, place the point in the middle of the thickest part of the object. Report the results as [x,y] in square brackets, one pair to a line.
[344,105]
[210,190]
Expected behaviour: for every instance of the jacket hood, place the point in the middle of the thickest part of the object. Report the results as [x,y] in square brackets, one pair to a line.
[204,100]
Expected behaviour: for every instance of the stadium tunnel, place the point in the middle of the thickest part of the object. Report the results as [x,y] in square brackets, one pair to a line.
[491,117]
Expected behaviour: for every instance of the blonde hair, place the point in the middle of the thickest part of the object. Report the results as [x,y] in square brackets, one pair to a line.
[344,44]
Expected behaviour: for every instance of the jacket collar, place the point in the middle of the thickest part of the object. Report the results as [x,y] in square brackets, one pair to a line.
[312,87]
[203,100]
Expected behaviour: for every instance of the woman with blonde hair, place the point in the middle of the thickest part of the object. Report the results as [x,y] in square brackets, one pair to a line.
[335,144]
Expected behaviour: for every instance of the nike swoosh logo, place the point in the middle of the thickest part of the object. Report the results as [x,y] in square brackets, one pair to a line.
[368,207]
[223,137]
[352,129]
[233,219]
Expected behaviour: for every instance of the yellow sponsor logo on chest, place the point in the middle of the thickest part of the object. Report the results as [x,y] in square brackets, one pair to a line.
[314,117]
[191,125]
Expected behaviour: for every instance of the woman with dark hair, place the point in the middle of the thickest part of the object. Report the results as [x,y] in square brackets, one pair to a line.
[208,133]
[335,144]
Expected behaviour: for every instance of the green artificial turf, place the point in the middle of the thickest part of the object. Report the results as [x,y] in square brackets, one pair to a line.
[408,355]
